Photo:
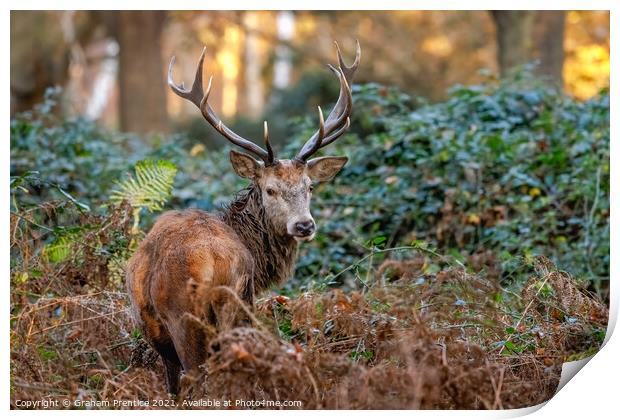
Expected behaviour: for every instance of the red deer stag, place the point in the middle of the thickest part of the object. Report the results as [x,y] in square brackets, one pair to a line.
[248,247]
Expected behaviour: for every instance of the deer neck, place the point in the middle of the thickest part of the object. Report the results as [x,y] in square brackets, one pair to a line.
[274,254]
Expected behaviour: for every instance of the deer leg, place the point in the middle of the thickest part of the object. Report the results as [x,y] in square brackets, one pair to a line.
[172,368]
[172,365]
[160,339]
[191,345]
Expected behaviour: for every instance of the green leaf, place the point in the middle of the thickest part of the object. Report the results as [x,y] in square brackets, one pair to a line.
[81,206]
[150,188]
[512,348]
[366,354]
[21,278]
[58,250]
[285,328]
[46,354]
[379,240]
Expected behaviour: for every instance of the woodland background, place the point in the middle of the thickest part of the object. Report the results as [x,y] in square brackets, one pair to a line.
[477,186]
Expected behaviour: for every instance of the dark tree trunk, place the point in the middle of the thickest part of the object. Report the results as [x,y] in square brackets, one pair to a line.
[514,38]
[549,39]
[141,77]
[39,57]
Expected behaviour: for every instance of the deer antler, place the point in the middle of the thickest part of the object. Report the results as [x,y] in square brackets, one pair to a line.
[338,119]
[199,97]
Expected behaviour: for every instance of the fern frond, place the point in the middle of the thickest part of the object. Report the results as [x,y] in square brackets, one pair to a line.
[150,188]
[63,245]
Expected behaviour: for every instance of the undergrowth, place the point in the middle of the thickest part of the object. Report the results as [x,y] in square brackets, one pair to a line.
[410,340]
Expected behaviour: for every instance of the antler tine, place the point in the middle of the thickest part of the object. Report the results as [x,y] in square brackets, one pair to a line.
[349,71]
[198,97]
[270,154]
[344,104]
[338,120]
[335,119]
[195,94]
[330,139]
[315,143]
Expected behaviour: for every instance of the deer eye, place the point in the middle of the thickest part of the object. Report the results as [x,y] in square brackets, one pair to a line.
[311,188]
[271,192]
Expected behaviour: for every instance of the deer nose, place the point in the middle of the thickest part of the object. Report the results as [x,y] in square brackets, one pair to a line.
[305,228]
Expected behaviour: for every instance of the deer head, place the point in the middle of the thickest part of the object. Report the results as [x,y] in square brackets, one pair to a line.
[285,185]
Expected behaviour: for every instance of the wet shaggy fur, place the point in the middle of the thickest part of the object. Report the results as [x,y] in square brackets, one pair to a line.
[173,276]
[273,255]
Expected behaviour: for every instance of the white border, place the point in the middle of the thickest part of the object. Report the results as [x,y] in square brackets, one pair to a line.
[593,393]
[317,5]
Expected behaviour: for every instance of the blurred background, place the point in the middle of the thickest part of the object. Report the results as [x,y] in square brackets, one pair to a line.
[270,64]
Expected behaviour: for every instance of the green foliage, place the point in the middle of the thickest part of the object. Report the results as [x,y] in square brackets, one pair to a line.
[62,245]
[366,355]
[72,153]
[46,354]
[514,167]
[150,188]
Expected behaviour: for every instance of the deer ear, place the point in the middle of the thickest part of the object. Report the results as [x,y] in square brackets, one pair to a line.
[325,168]
[245,165]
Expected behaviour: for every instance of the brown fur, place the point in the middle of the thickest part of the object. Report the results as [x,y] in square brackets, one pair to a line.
[273,254]
[183,257]
[173,277]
